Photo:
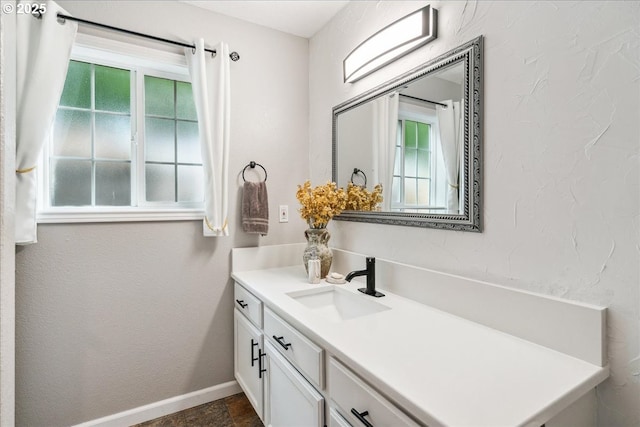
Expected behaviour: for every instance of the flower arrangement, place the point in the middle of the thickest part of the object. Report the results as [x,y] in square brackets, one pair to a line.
[360,199]
[321,203]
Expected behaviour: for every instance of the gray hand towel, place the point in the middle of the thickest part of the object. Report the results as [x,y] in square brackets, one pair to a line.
[255,208]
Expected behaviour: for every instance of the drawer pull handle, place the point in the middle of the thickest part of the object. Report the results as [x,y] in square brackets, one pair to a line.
[253,344]
[242,303]
[261,354]
[360,416]
[280,340]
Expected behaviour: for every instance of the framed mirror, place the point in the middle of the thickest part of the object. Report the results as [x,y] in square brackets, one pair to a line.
[419,136]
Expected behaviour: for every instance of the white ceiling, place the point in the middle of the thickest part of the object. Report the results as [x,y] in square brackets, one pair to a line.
[299,17]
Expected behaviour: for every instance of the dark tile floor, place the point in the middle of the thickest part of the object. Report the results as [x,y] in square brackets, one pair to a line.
[232,411]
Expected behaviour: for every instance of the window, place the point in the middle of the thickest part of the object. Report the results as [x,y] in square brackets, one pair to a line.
[173,166]
[124,144]
[411,177]
[418,169]
[90,147]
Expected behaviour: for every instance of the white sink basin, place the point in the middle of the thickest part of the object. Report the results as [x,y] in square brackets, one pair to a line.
[337,304]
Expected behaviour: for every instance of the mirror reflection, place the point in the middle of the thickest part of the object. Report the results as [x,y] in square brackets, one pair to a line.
[415,137]
[410,142]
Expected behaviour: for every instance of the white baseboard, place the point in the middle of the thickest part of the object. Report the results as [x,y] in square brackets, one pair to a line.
[165,407]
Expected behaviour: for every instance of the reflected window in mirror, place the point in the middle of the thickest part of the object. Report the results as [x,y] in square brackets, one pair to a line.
[417,170]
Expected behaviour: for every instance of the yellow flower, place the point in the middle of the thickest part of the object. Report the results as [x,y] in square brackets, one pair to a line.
[320,204]
[360,199]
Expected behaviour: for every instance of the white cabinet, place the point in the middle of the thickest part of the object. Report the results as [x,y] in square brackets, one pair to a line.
[282,373]
[280,395]
[249,360]
[290,399]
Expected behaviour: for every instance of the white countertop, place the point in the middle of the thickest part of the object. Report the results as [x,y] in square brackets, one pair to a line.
[442,369]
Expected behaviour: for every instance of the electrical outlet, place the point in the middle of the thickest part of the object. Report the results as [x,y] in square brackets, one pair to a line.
[284,213]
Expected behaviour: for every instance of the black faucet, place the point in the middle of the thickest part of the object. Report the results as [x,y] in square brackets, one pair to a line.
[370,272]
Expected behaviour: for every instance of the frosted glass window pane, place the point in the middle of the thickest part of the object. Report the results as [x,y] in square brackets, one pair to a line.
[423,191]
[113,136]
[410,134]
[424,164]
[188,143]
[160,140]
[70,182]
[72,133]
[410,191]
[160,183]
[423,136]
[113,184]
[159,97]
[112,89]
[410,163]
[185,107]
[190,184]
[397,163]
[77,86]
[395,192]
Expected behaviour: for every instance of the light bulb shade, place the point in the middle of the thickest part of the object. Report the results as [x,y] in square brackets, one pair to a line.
[393,41]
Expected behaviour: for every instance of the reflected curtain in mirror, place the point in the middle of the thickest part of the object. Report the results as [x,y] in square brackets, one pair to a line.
[385,123]
[449,119]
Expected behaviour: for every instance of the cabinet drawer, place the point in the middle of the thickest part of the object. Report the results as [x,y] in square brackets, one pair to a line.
[248,305]
[349,392]
[302,353]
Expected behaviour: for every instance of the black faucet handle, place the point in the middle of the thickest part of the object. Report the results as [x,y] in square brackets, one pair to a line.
[371,279]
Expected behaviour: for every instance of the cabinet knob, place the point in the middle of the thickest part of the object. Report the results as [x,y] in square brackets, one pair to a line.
[242,303]
[360,416]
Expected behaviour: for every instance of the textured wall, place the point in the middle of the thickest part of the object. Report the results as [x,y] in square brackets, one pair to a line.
[561,158]
[115,316]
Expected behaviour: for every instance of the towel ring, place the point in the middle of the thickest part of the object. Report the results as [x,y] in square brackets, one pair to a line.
[357,171]
[252,165]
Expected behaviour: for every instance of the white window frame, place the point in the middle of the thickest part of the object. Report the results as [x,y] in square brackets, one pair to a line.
[150,62]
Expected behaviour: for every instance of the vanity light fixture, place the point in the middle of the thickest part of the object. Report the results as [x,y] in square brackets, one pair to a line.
[393,41]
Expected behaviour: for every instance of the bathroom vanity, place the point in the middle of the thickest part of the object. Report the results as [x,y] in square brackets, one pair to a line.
[424,354]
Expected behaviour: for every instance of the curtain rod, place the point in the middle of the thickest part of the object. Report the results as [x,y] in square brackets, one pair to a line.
[233,55]
[424,100]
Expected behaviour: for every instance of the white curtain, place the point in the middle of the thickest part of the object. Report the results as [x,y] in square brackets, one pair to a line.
[211,86]
[43,51]
[450,140]
[385,122]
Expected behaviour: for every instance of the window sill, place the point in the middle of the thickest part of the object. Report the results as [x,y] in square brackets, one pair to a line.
[71,215]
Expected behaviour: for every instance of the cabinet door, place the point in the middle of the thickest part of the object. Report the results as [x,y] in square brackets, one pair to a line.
[290,400]
[247,343]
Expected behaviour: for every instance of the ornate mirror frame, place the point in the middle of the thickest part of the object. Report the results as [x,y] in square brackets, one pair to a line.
[470,54]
